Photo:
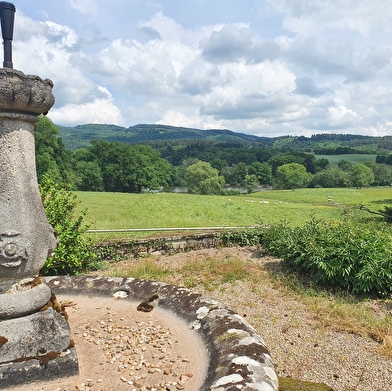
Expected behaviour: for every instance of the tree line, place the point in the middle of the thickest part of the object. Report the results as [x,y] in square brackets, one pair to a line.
[203,166]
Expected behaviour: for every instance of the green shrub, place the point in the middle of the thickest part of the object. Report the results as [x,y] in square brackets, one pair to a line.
[346,255]
[229,192]
[74,252]
[387,213]
[244,237]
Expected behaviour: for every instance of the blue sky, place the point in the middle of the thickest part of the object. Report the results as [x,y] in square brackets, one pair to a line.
[262,67]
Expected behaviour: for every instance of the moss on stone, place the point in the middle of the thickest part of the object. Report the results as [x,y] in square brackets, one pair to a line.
[289,384]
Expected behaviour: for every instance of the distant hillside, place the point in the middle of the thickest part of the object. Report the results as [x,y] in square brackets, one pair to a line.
[81,135]
[161,135]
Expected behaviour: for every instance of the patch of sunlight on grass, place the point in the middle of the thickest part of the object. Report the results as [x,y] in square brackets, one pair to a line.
[212,272]
[146,269]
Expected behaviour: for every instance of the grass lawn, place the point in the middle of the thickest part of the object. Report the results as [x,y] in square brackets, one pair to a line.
[170,210]
[351,157]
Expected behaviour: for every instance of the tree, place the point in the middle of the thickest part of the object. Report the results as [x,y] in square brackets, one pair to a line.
[218,163]
[123,167]
[362,176]
[87,171]
[52,159]
[321,164]
[281,159]
[263,172]
[89,176]
[202,178]
[250,182]
[180,179]
[331,177]
[235,174]
[382,176]
[292,176]
[345,165]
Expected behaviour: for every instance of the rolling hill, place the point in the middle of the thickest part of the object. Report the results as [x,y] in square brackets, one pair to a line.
[81,135]
[160,135]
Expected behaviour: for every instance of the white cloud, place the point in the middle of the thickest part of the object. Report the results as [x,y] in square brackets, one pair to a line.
[254,91]
[100,110]
[49,53]
[167,28]
[176,118]
[233,43]
[84,6]
[341,116]
[60,35]
[308,17]
[151,68]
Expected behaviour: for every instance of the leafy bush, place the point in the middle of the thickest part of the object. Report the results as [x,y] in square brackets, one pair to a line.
[345,255]
[244,237]
[74,252]
[230,192]
[387,213]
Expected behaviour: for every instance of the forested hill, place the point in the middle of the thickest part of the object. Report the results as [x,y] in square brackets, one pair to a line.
[81,135]
[161,135]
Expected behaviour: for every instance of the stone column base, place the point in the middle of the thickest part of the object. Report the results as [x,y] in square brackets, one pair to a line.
[36,347]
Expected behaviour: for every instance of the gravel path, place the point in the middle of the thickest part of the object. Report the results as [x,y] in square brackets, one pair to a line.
[302,349]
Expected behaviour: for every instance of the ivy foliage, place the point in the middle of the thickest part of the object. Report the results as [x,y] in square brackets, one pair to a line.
[74,252]
[345,255]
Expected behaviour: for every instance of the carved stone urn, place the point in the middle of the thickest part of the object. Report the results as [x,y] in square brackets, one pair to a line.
[26,238]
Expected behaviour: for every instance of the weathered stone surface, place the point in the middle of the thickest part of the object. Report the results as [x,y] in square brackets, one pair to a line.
[33,370]
[239,358]
[26,238]
[33,336]
[24,93]
[167,244]
[24,302]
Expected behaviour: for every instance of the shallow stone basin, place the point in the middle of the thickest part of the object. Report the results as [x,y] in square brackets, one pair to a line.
[238,358]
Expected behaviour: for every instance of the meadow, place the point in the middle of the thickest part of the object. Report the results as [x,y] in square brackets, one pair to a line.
[352,157]
[112,211]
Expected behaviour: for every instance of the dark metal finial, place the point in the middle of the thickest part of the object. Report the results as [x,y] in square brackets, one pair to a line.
[7,14]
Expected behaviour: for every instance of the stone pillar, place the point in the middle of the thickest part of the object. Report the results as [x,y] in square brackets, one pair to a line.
[26,241]
[26,238]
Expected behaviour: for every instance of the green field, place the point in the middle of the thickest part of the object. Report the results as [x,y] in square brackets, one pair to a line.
[353,158]
[170,210]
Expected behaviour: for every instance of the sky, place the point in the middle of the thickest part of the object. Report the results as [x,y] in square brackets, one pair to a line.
[261,67]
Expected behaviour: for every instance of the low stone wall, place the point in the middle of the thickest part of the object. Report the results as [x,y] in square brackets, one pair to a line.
[238,356]
[163,244]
